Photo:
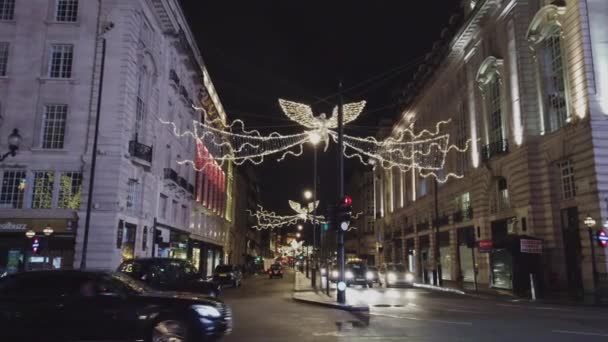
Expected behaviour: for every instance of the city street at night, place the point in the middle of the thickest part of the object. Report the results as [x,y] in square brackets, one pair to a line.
[263,310]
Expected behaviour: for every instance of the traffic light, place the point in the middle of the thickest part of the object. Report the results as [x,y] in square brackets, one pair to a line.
[344,212]
[325,226]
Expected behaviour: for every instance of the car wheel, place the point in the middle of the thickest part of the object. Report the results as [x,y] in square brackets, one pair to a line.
[170,331]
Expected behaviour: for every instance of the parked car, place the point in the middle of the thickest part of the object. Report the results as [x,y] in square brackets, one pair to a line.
[275,270]
[373,275]
[355,273]
[87,305]
[169,275]
[397,275]
[228,275]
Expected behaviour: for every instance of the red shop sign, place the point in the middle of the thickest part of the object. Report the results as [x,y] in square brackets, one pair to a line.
[485,246]
[602,238]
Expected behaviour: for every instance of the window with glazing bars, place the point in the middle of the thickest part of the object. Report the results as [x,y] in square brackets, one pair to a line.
[70,187]
[495,111]
[133,196]
[61,58]
[7,9]
[556,109]
[462,159]
[13,188]
[3,58]
[140,107]
[567,179]
[53,125]
[163,206]
[67,10]
[42,192]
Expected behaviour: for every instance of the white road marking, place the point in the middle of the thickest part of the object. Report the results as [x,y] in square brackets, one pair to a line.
[421,319]
[578,333]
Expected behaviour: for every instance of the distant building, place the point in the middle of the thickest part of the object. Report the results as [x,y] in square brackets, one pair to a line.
[144,203]
[526,82]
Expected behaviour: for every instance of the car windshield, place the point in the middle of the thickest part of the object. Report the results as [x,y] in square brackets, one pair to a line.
[223,269]
[396,268]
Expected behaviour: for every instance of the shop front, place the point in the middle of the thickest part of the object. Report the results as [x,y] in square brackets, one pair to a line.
[445,255]
[170,242]
[49,244]
[466,248]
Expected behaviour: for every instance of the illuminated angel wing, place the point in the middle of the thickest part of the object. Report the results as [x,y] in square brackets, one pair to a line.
[351,113]
[299,113]
[312,206]
[296,207]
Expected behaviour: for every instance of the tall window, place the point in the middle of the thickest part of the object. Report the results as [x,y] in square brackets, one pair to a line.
[140,104]
[13,188]
[42,194]
[175,208]
[184,215]
[493,99]
[67,10]
[422,187]
[567,179]
[70,189]
[163,206]
[462,129]
[53,127]
[556,110]
[3,58]
[61,58]
[7,9]
[133,196]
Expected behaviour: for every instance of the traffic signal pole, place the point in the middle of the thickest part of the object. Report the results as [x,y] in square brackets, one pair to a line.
[313,278]
[341,292]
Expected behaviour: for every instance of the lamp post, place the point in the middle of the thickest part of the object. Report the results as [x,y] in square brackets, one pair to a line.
[14,140]
[590,223]
[315,138]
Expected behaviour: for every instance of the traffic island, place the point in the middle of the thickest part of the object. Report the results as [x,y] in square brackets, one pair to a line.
[304,293]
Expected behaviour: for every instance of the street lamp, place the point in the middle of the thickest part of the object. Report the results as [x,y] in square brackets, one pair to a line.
[30,234]
[14,140]
[298,235]
[300,227]
[48,230]
[308,194]
[590,223]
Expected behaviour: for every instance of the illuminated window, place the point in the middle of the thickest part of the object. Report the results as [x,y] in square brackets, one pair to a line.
[70,187]
[13,188]
[42,193]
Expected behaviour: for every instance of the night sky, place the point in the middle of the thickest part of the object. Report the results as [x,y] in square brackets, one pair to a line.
[259,51]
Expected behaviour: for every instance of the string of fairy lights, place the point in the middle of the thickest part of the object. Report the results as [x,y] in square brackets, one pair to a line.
[425,151]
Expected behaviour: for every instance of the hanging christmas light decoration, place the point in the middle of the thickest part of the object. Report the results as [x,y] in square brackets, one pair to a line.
[270,220]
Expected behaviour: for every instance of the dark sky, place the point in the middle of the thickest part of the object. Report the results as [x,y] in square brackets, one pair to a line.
[259,51]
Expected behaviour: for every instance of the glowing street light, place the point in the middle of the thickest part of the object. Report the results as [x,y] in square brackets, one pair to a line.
[298,235]
[300,227]
[307,194]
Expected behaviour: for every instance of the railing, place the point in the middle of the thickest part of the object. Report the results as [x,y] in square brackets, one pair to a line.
[140,151]
[169,173]
[442,220]
[463,215]
[495,148]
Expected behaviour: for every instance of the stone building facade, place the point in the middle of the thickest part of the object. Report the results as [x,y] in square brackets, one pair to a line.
[144,202]
[525,81]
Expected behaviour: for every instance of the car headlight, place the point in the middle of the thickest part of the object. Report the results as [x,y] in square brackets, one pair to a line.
[334,274]
[409,277]
[349,275]
[369,275]
[206,311]
[391,277]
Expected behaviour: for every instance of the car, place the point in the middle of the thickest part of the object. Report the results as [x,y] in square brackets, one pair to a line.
[373,275]
[276,270]
[228,275]
[356,274]
[165,274]
[397,275]
[334,274]
[62,305]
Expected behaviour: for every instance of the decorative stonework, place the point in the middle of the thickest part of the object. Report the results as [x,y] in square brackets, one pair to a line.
[545,23]
[489,69]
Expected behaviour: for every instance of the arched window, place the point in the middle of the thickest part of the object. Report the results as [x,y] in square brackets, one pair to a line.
[490,83]
[545,38]
[145,75]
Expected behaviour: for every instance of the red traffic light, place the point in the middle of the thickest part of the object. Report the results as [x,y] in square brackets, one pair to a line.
[347,201]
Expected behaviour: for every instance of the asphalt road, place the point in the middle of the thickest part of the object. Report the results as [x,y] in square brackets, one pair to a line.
[264,311]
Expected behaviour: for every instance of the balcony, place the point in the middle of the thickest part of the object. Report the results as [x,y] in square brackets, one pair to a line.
[170,174]
[140,151]
[443,220]
[463,215]
[494,149]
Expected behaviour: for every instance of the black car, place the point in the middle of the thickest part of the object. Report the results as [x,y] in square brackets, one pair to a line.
[87,305]
[165,274]
[276,270]
[356,274]
[228,275]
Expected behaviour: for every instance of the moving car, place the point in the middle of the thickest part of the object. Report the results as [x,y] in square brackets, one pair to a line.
[275,271]
[228,275]
[356,274]
[169,275]
[88,305]
[397,275]
[373,275]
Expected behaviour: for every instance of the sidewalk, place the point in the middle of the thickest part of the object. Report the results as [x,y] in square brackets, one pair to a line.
[303,292]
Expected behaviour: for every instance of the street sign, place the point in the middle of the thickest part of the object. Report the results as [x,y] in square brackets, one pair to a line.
[485,246]
[531,246]
[602,238]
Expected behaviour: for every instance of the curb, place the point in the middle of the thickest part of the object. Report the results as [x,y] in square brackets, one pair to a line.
[441,289]
[344,307]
